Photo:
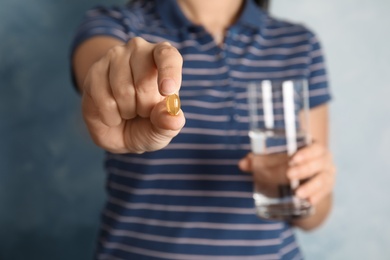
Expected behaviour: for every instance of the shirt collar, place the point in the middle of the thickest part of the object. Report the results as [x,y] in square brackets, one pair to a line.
[171,14]
[251,15]
[173,17]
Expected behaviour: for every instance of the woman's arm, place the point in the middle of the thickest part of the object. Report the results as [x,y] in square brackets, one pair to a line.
[123,87]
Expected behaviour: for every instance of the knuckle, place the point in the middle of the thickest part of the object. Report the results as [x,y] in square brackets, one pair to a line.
[146,85]
[167,43]
[136,42]
[169,54]
[125,92]
[141,84]
[166,50]
[115,52]
[108,104]
[96,68]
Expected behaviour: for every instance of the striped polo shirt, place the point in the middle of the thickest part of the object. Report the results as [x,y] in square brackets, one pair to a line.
[189,200]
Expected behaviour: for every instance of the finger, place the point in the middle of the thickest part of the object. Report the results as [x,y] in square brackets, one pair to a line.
[307,153]
[164,123]
[99,131]
[144,73]
[315,199]
[169,64]
[121,81]
[154,133]
[316,188]
[306,169]
[98,89]
[245,164]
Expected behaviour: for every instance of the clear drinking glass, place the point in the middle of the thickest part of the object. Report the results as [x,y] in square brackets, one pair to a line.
[279,126]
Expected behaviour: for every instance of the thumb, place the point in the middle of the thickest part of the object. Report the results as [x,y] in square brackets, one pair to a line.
[165,124]
[245,164]
[154,133]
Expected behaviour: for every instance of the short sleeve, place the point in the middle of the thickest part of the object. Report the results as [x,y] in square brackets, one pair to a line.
[101,21]
[319,92]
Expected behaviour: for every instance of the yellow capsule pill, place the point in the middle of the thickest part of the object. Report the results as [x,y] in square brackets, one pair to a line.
[173,104]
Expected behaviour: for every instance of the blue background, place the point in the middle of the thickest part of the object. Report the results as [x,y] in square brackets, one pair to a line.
[51,177]
[356,39]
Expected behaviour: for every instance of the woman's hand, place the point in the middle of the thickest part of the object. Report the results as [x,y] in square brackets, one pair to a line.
[123,95]
[313,162]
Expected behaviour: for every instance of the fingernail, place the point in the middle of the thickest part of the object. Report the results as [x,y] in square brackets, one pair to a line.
[168,87]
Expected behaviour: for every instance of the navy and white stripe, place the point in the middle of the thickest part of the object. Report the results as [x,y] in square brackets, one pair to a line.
[189,200]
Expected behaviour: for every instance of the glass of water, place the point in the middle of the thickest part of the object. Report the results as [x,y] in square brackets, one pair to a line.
[279,126]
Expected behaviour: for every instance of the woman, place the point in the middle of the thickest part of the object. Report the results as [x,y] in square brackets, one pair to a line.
[179,192]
